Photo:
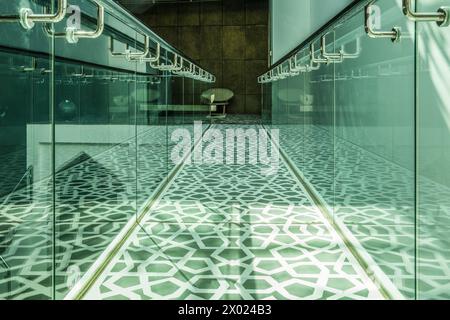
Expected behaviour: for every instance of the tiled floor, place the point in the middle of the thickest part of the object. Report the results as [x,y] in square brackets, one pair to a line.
[375,199]
[228,232]
[93,202]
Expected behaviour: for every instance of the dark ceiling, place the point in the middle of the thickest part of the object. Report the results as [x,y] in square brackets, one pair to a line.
[140,6]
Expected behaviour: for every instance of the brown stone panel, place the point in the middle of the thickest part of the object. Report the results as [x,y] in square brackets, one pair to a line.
[228,38]
[149,18]
[256,46]
[233,75]
[216,68]
[167,15]
[233,12]
[253,69]
[237,105]
[170,34]
[211,42]
[211,14]
[253,104]
[189,41]
[256,12]
[189,14]
[177,91]
[234,42]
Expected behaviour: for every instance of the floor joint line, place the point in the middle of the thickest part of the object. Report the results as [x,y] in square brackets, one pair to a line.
[128,230]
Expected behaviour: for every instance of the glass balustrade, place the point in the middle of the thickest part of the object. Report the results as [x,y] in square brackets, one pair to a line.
[88,103]
[362,108]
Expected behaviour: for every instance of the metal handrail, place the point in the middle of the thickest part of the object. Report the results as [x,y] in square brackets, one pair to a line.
[315,59]
[155,57]
[73,34]
[441,17]
[332,57]
[28,18]
[394,34]
[139,55]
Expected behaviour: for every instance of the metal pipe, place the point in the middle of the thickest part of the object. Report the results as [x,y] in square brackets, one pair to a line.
[394,34]
[441,17]
[28,18]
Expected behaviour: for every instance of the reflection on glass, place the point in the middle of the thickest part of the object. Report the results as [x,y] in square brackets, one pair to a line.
[26,212]
[349,129]
[84,144]
[433,162]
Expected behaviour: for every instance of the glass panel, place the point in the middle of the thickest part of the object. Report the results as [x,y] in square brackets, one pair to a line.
[95,148]
[266,90]
[152,136]
[26,183]
[349,128]
[201,111]
[84,143]
[290,117]
[189,101]
[433,166]
[318,166]
[375,145]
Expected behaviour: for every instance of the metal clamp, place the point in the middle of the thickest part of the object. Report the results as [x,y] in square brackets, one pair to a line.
[211,78]
[294,67]
[155,57]
[394,35]
[205,76]
[197,74]
[130,56]
[441,17]
[83,74]
[163,66]
[72,34]
[187,72]
[263,79]
[332,57]
[171,65]
[193,71]
[313,67]
[28,18]
[272,76]
[33,66]
[178,63]
[179,68]
[354,55]
[282,73]
[314,59]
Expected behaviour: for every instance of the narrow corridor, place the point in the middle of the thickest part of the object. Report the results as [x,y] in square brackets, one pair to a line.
[134,161]
[228,232]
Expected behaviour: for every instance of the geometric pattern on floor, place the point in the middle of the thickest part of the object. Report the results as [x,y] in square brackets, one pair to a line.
[228,232]
[385,229]
[375,199]
[94,201]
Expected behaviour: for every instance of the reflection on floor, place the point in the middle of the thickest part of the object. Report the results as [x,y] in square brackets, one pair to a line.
[229,232]
[375,199]
[12,167]
[225,231]
[94,200]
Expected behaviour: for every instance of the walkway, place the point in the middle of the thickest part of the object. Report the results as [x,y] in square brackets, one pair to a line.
[230,232]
